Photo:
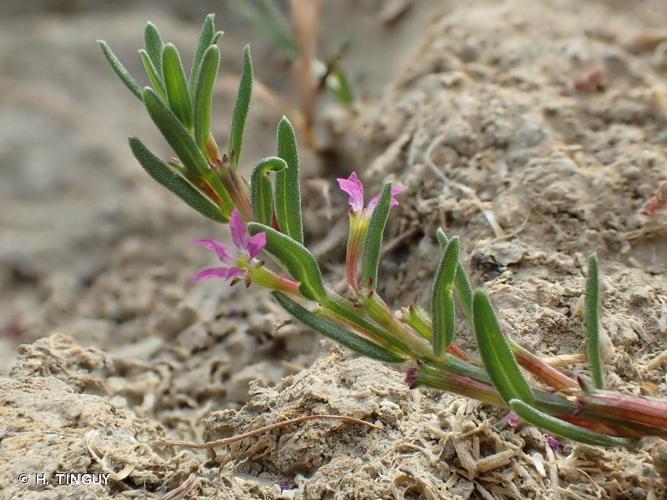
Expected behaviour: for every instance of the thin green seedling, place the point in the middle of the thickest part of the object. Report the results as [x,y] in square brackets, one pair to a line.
[268,21]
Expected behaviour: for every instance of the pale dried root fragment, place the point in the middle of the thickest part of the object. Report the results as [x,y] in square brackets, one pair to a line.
[184,489]
[495,461]
[464,452]
[262,430]
[562,360]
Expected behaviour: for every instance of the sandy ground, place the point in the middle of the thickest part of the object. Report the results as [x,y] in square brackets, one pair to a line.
[534,130]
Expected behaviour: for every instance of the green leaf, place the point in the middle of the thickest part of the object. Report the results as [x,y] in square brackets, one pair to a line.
[496,354]
[153,45]
[592,320]
[175,133]
[217,37]
[174,182]
[203,96]
[461,280]
[565,429]
[442,298]
[296,258]
[176,85]
[287,189]
[120,70]
[184,146]
[370,256]
[240,109]
[153,74]
[206,37]
[336,332]
[339,86]
[260,188]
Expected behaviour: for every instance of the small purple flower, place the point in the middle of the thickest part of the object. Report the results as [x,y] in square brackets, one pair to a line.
[355,190]
[411,377]
[512,419]
[248,248]
[286,485]
[554,444]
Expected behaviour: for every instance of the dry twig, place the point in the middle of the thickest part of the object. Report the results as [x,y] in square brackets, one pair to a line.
[267,428]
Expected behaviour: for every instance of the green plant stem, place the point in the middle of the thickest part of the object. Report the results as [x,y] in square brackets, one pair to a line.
[417,319]
[470,381]
[211,179]
[459,384]
[338,307]
[377,309]
[237,189]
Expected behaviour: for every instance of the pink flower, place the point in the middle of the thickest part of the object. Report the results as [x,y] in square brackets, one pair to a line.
[355,190]
[248,248]
[359,220]
[411,377]
[554,444]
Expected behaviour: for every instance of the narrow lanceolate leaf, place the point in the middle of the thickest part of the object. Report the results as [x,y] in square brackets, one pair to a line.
[461,280]
[565,429]
[174,182]
[287,190]
[153,74]
[203,97]
[592,321]
[261,193]
[120,70]
[153,45]
[175,133]
[370,257]
[178,95]
[496,354]
[336,332]
[296,258]
[240,109]
[217,37]
[442,298]
[205,40]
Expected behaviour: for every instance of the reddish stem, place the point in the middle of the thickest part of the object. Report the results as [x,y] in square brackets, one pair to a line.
[544,372]
[649,412]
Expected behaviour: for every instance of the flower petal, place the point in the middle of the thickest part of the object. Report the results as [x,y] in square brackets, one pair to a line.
[355,190]
[256,244]
[554,444]
[226,273]
[238,229]
[219,248]
[395,190]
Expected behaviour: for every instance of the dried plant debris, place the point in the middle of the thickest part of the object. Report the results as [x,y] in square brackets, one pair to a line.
[430,445]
